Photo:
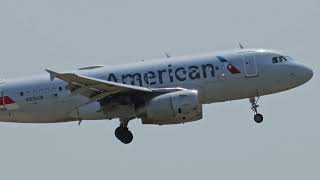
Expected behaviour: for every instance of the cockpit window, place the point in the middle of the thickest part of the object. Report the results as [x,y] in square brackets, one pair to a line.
[282,59]
[279,59]
[275,60]
[289,58]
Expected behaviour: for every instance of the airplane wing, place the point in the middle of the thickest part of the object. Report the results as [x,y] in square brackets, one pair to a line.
[94,88]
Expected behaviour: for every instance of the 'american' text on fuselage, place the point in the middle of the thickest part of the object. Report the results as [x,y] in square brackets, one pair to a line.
[192,72]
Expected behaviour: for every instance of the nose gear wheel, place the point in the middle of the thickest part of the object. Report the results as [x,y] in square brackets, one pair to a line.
[258,118]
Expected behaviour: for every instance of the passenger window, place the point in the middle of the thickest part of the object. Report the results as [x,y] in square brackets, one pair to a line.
[275,60]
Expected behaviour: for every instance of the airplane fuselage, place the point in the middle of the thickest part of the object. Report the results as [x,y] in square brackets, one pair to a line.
[217,77]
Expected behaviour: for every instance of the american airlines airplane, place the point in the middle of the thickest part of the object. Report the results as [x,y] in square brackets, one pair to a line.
[161,92]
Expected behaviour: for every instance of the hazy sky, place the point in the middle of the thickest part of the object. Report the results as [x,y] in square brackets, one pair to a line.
[226,144]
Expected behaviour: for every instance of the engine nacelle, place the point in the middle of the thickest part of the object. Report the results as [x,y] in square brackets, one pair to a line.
[172,108]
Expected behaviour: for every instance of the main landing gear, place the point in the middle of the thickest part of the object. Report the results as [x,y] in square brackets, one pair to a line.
[123,133]
[258,118]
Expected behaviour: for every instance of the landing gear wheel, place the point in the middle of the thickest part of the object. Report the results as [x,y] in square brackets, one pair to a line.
[258,118]
[123,134]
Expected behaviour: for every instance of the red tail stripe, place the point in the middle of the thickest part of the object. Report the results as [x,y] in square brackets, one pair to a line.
[233,69]
[6,100]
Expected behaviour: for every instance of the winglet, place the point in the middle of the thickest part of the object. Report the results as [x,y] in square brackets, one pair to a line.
[52,74]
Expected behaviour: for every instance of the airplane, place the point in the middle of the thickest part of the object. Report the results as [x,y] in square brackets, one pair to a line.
[167,91]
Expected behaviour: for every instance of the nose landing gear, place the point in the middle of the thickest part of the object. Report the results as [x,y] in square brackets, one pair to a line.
[122,132]
[258,118]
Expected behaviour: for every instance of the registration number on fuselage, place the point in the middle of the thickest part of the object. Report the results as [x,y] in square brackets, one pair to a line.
[34,98]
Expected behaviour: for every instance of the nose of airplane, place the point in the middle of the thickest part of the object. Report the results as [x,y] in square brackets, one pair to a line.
[304,73]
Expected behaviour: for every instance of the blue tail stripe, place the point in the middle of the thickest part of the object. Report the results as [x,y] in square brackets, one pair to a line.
[221,59]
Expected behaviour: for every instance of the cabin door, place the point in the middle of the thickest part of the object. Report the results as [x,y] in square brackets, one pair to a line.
[250,65]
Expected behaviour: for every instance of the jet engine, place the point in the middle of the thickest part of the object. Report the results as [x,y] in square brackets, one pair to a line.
[172,108]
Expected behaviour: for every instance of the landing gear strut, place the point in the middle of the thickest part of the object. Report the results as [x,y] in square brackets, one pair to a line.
[258,118]
[123,133]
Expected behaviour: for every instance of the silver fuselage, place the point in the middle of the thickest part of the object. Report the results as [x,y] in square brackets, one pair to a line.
[40,100]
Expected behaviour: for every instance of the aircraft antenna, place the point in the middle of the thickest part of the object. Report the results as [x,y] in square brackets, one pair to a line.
[167,55]
[240,45]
